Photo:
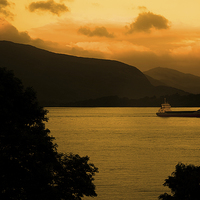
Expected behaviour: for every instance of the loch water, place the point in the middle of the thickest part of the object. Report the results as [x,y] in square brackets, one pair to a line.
[134,150]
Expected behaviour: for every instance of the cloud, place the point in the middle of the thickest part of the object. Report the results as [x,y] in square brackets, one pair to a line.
[49,6]
[98,31]
[101,47]
[4,4]
[66,0]
[9,33]
[147,20]
[142,8]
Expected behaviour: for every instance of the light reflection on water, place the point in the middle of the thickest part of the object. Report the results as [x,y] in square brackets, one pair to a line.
[134,149]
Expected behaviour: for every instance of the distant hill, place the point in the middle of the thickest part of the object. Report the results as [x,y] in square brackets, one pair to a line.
[154,81]
[173,78]
[59,79]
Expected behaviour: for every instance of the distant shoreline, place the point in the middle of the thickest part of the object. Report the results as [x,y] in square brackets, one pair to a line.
[117,106]
[176,100]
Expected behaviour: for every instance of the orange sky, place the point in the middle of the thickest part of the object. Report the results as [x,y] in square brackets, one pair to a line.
[143,33]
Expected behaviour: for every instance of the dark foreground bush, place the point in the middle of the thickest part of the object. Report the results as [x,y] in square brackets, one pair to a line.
[184,183]
[30,166]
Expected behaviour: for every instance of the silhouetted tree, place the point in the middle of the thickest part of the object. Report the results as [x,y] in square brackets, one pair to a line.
[184,183]
[30,166]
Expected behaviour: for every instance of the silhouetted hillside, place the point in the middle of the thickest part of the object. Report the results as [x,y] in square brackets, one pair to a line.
[170,77]
[59,79]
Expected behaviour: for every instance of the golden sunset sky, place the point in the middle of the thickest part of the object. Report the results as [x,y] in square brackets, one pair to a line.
[142,33]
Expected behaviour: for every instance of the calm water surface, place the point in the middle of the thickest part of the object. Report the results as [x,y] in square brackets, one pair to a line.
[134,149]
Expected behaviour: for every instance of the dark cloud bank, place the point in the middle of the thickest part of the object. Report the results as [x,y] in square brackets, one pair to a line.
[4,8]
[98,31]
[48,6]
[147,20]
[10,33]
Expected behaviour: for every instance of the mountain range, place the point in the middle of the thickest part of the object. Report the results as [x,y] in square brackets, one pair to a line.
[173,78]
[60,79]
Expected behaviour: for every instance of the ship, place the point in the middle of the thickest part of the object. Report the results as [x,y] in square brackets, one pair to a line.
[165,111]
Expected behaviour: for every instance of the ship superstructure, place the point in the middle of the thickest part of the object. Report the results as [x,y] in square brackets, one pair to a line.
[165,111]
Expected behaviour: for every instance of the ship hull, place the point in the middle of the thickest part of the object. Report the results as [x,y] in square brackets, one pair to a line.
[179,114]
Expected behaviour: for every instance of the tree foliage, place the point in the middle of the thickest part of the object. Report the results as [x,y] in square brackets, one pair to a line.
[30,166]
[184,183]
